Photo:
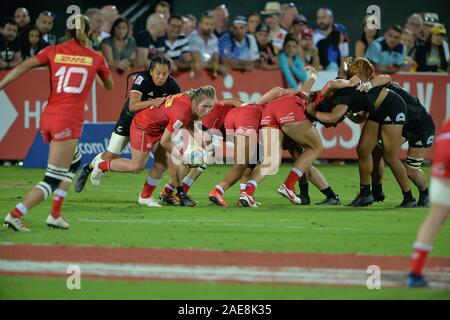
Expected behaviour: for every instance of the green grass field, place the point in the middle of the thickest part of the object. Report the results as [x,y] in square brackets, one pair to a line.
[110,216]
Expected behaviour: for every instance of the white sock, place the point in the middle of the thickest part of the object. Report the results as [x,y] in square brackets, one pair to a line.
[188,181]
[422,246]
[243,186]
[152,182]
[21,207]
[220,189]
[60,193]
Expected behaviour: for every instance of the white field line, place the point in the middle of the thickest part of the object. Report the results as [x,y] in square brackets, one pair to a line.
[281,275]
[212,221]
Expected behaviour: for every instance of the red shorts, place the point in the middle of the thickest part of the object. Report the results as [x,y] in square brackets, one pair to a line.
[283,110]
[141,140]
[244,120]
[57,128]
[441,157]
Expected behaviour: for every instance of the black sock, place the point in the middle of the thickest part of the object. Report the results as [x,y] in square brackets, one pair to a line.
[424,193]
[180,191]
[364,190]
[329,193]
[377,188]
[407,196]
[87,169]
[304,189]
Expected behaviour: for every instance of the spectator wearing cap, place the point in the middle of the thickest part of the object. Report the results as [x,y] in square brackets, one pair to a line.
[429,20]
[309,53]
[22,19]
[150,42]
[300,22]
[204,46]
[387,53]
[367,36]
[253,21]
[430,56]
[96,21]
[271,13]
[45,22]
[267,58]
[290,63]
[221,15]
[288,12]
[119,49]
[237,48]
[329,53]
[177,46]
[9,47]
[189,24]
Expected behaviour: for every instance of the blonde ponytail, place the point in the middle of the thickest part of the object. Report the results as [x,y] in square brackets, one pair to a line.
[199,93]
[81,34]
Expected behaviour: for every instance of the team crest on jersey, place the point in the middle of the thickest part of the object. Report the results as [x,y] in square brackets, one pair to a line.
[400,117]
[72,59]
[139,80]
[430,140]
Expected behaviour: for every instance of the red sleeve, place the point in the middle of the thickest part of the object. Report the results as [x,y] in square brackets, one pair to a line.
[179,116]
[103,70]
[44,55]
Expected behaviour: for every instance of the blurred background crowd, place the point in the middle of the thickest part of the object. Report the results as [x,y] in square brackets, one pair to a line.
[276,36]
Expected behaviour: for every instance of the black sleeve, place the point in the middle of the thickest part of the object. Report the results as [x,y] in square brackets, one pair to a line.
[141,84]
[172,86]
[344,97]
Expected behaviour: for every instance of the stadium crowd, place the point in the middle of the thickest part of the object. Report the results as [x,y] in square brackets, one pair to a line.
[275,37]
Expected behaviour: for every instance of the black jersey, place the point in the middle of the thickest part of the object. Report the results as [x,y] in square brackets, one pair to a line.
[144,84]
[416,111]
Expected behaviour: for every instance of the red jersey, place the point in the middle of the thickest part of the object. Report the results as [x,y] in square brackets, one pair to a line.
[441,157]
[72,71]
[244,120]
[174,113]
[215,119]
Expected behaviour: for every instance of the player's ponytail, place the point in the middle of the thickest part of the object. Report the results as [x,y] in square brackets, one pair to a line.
[79,30]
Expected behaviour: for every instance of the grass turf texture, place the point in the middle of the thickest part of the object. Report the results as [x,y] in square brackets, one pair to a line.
[110,216]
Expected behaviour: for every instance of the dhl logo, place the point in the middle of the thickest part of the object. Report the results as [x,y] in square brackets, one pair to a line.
[71,59]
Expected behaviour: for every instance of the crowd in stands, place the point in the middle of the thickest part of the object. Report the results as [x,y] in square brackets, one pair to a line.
[274,37]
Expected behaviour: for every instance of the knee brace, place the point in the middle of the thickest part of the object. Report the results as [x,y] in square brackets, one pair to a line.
[52,178]
[74,165]
[414,163]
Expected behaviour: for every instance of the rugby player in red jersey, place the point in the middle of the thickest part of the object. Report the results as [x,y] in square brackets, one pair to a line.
[73,67]
[152,130]
[440,207]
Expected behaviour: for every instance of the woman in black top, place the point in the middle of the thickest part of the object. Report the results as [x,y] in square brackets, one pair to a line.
[150,88]
[386,113]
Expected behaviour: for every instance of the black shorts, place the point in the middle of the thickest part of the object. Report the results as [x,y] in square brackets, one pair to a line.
[392,110]
[420,135]
[123,124]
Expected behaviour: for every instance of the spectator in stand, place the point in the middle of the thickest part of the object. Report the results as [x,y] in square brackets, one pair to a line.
[414,25]
[300,23]
[22,18]
[329,53]
[272,12]
[290,63]
[150,42]
[253,21]
[267,58]
[119,49]
[96,21]
[163,7]
[237,48]
[324,21]
[31,42]
[189,24]
[407,40]
[344,47]
[429,20]
[45,22]
[387,53]
[204,46]
[430,56]
[177,47]
[9,47]
[221,15]
[309,53]
[367,36]
[109,14]
[288,12]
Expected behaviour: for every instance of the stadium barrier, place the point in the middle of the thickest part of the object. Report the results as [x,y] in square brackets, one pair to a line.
[23,101]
